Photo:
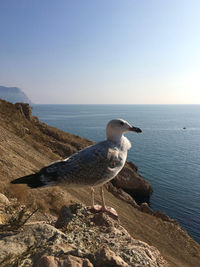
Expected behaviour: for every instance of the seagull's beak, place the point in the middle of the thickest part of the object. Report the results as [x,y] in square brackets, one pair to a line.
[135,129]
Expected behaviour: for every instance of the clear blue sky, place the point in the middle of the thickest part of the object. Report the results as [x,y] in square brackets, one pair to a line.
[108,51]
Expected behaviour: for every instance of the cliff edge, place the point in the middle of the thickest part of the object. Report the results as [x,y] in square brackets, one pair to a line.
[26,145]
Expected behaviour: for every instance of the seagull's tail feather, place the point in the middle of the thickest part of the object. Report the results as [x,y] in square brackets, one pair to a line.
[33,180]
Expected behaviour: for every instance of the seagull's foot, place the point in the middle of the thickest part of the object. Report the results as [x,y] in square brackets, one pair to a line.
[96,208]
[110,210]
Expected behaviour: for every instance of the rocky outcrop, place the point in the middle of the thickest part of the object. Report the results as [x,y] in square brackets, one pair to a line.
[163,216]
[106,257]
[65,261]
[87,239]
[129,179]
[64,218]
[38,235]
[144,207]
[25,109]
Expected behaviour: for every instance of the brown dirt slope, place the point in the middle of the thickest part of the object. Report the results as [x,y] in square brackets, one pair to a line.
[26,145]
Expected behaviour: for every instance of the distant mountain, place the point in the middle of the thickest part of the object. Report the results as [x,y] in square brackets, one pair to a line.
[13,95]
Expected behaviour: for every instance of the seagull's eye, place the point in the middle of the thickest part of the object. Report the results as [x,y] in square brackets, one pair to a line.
[122,123]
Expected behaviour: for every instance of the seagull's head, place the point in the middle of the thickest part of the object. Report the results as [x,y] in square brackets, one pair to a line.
[116,128]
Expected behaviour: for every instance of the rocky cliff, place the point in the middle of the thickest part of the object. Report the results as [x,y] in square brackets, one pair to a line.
[13,95]
[26,145]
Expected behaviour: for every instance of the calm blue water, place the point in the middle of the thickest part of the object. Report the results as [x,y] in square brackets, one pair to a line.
[167,156]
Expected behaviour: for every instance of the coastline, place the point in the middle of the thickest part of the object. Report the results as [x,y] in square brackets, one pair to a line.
[35,144]
[172,177]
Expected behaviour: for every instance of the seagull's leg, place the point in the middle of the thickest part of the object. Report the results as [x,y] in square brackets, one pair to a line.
[94,207]
[92,195]
[102,199]
[104,208]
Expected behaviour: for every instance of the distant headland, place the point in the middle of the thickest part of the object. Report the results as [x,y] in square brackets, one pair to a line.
[13,95]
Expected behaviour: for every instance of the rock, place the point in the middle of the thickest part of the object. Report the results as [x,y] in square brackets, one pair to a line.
[25,109]
[106,257]
[2,219]
[144,207]
[129,179]
[132,165]
[60,248]
[47,261]
[102,219]
[32,235]
[64,218]
[55,250]
[66,261]
[88,240]
[4,200]
[164,216]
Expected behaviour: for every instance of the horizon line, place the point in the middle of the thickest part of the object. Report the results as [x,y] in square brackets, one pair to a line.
[115,104]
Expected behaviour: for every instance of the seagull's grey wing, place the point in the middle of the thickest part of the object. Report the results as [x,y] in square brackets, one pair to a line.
[86,167]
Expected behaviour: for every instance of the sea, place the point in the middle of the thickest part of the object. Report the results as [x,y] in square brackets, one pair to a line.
[167,152]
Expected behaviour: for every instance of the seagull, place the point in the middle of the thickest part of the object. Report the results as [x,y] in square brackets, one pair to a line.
[91,167]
